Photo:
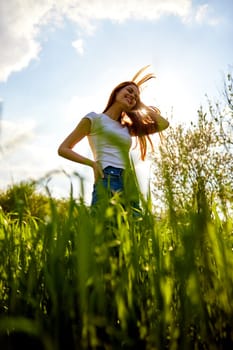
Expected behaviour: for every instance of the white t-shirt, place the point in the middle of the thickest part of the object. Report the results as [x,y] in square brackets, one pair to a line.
[110,141]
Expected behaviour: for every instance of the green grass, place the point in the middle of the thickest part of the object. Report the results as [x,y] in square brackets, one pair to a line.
[78,279]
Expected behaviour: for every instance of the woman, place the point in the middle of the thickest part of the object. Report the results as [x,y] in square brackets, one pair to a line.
[110,135]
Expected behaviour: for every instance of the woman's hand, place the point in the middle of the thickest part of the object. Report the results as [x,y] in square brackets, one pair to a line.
[98,171]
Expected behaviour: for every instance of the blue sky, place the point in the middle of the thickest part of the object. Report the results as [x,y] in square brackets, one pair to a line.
[61,59]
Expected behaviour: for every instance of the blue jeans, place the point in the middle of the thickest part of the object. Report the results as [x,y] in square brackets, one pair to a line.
[115,181]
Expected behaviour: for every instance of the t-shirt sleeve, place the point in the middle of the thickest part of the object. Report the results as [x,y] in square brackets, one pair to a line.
[92,116]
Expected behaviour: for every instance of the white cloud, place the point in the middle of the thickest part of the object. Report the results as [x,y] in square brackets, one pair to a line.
[14,135]
[201,12]
[1,108]
[21,22]
[78,45]
[120,10]
[19,25]
[204,14]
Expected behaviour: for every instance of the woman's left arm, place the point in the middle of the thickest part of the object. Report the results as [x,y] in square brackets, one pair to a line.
[153,121]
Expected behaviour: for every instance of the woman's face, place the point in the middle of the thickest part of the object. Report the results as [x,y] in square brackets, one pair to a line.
[128,97]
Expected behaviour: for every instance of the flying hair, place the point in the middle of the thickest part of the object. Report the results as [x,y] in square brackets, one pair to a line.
[143,120]
[141,80]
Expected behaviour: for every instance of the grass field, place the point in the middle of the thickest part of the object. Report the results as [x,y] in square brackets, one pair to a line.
[77,279]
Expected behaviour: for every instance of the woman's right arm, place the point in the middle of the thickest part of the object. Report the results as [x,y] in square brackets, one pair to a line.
[66,148]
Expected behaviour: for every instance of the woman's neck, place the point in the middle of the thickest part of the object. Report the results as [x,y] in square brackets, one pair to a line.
[114,112]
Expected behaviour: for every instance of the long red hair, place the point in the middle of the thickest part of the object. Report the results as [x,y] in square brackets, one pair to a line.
[143,120]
